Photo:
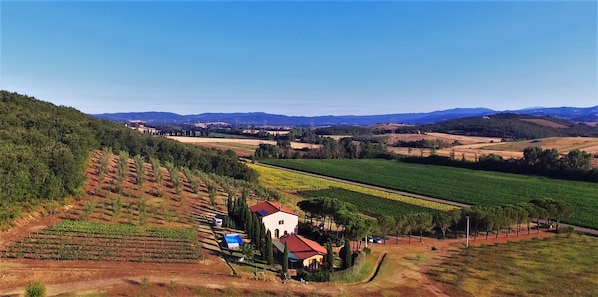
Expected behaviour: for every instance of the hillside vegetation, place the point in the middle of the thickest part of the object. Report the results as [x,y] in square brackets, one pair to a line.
[508,126]
[44,151]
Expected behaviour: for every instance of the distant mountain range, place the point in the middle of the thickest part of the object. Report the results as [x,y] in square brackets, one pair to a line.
[573,114]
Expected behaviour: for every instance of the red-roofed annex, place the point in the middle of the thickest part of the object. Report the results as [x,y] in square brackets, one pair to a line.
[305,252]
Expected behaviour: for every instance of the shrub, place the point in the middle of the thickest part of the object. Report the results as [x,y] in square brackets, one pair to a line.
[350,272]
[367,251]
[315,276]
[565,230]
[35,289]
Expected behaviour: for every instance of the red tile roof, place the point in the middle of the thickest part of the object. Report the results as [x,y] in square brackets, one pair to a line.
[266,208]
[302,247]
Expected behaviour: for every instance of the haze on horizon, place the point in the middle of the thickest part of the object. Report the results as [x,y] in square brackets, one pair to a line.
[301,58]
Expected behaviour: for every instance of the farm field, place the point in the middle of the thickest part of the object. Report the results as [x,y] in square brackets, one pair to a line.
[564,267]
[77,240]
[293,183]
[563,144]
[189,212]
[456,184]
[243,146]
[368,204]
[472,147]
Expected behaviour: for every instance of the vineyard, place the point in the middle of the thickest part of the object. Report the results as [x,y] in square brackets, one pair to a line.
[291,182]
[76,240]
[456,184]
[368,204]
[136,211]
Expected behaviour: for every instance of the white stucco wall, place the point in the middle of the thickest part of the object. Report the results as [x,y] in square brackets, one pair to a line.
[290,223]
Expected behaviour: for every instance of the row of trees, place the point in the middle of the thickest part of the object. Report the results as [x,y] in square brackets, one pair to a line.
[261,238]
[488,218]
[345,215]
[344,148]
[575,165]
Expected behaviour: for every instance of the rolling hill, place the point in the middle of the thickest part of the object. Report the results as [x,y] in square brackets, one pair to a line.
[575,114]
[44,151]
[510,126]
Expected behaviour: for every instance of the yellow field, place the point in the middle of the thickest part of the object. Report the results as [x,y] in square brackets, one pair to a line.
[473,147]
[237,141]
[563,144]
[291,182]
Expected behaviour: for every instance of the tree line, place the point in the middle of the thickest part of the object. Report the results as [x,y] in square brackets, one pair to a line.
[494,219]
[241,217]
[575,165]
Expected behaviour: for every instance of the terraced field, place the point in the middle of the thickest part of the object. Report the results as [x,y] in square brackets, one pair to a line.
[76,240]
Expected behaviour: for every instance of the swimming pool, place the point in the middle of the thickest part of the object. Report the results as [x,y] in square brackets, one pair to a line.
[233,241]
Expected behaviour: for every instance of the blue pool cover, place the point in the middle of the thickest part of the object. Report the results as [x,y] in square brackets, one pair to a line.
[232,239]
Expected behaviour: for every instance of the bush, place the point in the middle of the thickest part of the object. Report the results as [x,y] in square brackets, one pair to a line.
[565,230]
[35,289]
[315,276]
[367,251]
[350,272]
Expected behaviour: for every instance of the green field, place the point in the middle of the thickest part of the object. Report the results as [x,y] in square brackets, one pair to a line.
[555,266]
[457,184]
[368,204]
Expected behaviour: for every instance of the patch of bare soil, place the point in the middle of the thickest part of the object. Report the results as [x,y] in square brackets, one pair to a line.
[399,272]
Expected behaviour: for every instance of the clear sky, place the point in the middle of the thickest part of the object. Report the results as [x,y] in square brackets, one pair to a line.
[301,58]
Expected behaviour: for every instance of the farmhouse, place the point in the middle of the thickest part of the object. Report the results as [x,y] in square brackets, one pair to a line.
[279,219]
[303,253]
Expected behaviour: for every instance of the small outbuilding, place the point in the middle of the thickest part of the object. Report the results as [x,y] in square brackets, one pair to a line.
[217,222]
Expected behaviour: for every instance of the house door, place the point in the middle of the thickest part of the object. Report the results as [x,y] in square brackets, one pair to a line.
[277,233]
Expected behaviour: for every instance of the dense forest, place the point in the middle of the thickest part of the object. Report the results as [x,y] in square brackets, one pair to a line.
[44,150]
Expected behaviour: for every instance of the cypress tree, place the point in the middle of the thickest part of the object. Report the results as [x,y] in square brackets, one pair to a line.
[249,226]
[285,259]
[229,205]
[269,254]
[329,255]
[264,236]
[347,256]
[257,236]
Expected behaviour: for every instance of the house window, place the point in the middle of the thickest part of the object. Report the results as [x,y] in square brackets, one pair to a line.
[281,222]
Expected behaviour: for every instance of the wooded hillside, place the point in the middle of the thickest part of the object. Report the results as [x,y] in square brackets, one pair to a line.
[508,126]
[44,150]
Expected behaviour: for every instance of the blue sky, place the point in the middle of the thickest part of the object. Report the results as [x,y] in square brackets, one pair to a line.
[301,58]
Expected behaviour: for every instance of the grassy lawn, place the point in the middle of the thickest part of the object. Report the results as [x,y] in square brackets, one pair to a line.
[457,184]
[555,266]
